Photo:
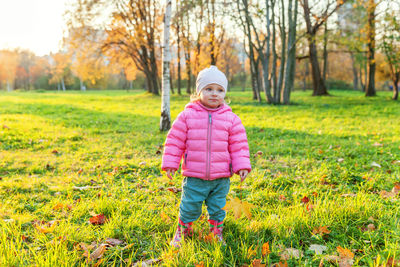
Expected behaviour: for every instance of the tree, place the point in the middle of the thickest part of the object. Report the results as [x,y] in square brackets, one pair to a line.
[8,67]
[165,121]
[391,49]
[312,27]
[59,69]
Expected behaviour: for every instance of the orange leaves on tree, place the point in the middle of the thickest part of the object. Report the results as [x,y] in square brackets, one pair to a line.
[239,208]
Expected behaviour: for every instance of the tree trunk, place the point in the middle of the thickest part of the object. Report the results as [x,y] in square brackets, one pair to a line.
[267,56]
[165,120]
[396,86]
[83,87]
[355,72]
[283,53]
[274,57]
[9,88]
[212,32]
[179,58]
[291,61]
[370,90]
[63,85]
[319,87]
[325,51]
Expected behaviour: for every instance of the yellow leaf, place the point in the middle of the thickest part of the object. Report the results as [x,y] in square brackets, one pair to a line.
[239,207]
[345,253]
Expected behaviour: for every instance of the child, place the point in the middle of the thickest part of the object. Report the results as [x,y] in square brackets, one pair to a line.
[213,143]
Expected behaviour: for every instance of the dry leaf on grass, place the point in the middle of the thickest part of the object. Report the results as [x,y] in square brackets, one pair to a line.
[174,189]
[114,242]
[83,188]
[239,207]
[98,219]
[291,253]
[265,249]
[146,263]
[98,252]
[321,230]
[318,249]
[44,227]
[257,263]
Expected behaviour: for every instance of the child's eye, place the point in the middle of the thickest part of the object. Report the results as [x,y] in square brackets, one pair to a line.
[220,90]
[208,89]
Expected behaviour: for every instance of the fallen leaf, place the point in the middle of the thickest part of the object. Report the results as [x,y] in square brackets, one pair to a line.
[98,263]
[282,198]
[174,189]
[165,217]
[98,219]
[391,262]
[305,200]
[385,194]
[44,227]
[371,227]
[318,249]
[396,188]
[321,230]
[98,252]
[340,160]
[265,249]
[251,252]
[291,253]
[54,151]
[257,263]
[200,264]
[377,144]
[83,188]
[80,171]
[146,263]
[345,257]
[5,127]
[114,242]
[374,164]
[258,153]
[239,207]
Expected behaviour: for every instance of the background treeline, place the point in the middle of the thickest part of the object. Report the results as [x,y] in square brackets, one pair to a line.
[271,46]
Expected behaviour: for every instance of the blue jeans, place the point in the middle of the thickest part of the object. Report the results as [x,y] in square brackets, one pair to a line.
[195,191]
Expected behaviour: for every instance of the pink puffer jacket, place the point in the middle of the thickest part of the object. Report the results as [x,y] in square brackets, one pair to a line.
[213,143]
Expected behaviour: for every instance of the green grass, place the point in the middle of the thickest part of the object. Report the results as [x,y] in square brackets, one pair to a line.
[320,147]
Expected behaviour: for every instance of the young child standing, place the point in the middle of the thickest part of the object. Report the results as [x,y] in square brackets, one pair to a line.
[213,143]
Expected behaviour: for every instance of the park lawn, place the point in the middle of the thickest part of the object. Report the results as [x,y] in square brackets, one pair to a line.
[323,171]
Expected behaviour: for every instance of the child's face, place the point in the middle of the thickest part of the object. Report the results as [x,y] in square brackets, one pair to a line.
[212,95]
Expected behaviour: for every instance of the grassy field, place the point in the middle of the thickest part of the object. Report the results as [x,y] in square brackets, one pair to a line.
[325,173]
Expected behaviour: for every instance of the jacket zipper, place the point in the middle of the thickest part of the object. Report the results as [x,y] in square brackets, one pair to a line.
[209,146]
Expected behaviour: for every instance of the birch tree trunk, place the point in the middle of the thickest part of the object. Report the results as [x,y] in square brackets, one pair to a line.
[355,72]
[282,29]
[267,81]
[63,84]
[165,120]
[274,56]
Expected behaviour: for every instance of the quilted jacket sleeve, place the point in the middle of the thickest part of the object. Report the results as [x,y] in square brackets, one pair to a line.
[175,143]
[238,147]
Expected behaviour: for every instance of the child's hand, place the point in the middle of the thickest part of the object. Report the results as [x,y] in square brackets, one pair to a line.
[169,172]
[243,174]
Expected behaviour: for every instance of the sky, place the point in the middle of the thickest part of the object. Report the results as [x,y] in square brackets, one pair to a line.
[36,25]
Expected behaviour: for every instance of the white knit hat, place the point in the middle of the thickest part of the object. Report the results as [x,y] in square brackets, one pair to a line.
[211,75]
